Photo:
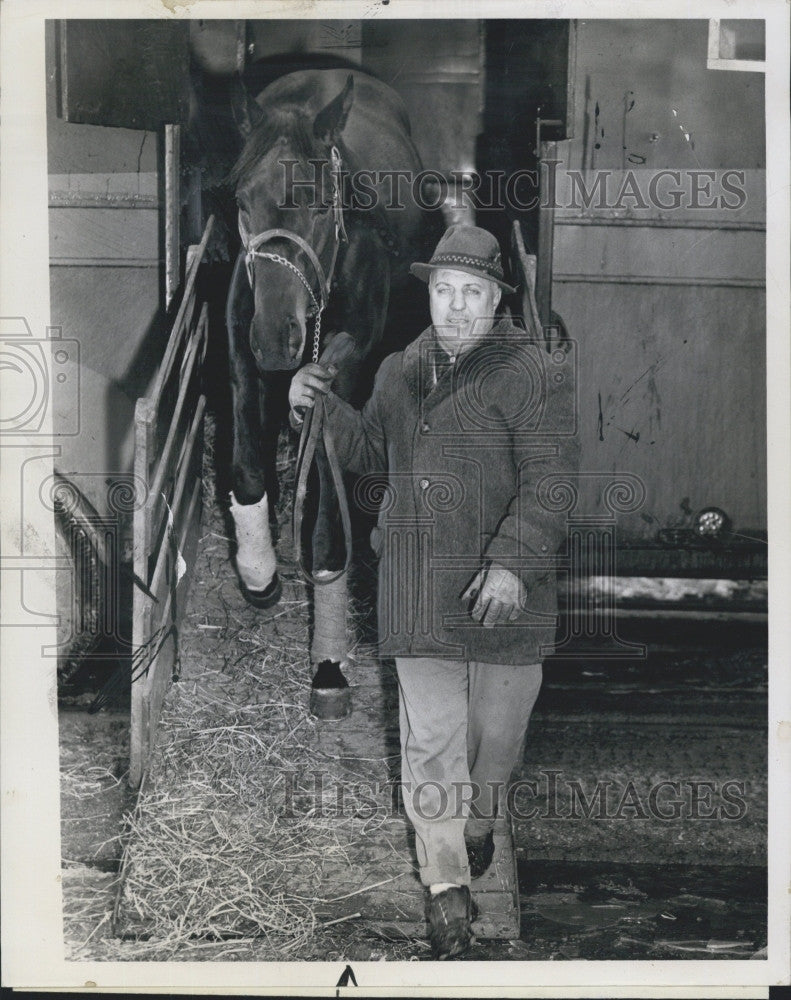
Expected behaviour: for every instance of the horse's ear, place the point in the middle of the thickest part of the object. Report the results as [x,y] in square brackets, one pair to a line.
[246,112]
[330,121]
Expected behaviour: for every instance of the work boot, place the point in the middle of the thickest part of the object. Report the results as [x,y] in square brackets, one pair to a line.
[450,915]
[480,851]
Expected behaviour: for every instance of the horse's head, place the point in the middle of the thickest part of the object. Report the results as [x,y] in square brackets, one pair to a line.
[285,193]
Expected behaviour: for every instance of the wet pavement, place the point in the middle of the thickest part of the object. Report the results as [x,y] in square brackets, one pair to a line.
[639,911]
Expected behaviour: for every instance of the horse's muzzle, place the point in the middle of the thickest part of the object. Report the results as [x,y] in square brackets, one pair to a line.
[283,352]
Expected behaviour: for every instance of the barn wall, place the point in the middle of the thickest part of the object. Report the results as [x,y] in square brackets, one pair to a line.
[342,37]
[660,65]
[105,278]
[438,69]
[667,305]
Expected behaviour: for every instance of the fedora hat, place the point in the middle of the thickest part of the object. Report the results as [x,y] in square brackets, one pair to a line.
[466,248]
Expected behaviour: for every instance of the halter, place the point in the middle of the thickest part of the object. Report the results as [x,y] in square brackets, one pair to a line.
[252,244]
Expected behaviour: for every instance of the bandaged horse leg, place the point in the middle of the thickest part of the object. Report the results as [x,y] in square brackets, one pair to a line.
[254,469]
[255,555]
[330,697]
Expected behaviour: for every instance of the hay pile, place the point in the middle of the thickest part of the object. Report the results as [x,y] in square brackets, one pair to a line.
[227,844]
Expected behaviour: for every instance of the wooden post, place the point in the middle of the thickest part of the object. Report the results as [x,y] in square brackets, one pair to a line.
[546,231]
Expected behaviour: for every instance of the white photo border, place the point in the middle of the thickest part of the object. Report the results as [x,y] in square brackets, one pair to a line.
[33,955]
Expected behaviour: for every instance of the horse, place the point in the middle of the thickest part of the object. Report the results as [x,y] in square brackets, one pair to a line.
[311,251]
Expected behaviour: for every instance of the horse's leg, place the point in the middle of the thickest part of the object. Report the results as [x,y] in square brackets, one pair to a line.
[253,469]
[363,315]
[330,697]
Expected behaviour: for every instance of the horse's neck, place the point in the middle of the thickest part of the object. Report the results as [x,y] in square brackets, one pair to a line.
[376,220]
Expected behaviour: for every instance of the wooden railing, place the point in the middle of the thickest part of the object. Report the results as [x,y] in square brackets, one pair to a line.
[168,455]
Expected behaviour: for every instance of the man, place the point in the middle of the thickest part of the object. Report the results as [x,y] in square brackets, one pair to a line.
[465,424]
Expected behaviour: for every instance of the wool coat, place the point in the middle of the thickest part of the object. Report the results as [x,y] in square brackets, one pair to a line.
[459,464]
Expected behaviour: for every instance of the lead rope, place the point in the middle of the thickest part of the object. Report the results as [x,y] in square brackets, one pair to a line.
[315,422]
[313,426]
[340,236]
[340,349]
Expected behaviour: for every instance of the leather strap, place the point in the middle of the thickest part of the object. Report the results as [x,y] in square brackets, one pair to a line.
[314,425]
[340,349]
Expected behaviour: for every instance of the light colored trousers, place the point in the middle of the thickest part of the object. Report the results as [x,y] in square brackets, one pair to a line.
[462,731]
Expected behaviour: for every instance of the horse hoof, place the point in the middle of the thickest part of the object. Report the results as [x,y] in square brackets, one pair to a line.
[330,695]
[264,598]
[330,704]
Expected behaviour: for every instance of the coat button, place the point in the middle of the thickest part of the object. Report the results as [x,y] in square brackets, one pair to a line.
[424,484]
[425,428]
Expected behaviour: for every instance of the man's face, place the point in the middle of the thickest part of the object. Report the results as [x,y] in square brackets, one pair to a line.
[462,308]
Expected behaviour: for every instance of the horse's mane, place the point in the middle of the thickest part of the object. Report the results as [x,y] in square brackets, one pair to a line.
[289,122]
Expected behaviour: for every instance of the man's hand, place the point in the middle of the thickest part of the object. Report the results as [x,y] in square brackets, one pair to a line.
[500,594]
[307,382]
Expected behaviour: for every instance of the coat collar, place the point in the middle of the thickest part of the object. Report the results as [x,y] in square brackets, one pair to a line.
[418,355]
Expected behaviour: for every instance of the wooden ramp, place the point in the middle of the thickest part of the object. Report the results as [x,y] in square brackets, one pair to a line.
[392,902]
[496,892]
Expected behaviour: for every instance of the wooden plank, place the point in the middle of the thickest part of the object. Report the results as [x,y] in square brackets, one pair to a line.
[163,670]
[140,607]
[697,615]
[179,323]
[128,74]
[179,492]
[496,892]
[391,895]
[162,616]
[173,387]
[172,211]
[526,267]
[620,222]
[192,355]
[113,190]
[138,732]
[163,622]
[546,233]
[114,235]
[638,251]
[158,675]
